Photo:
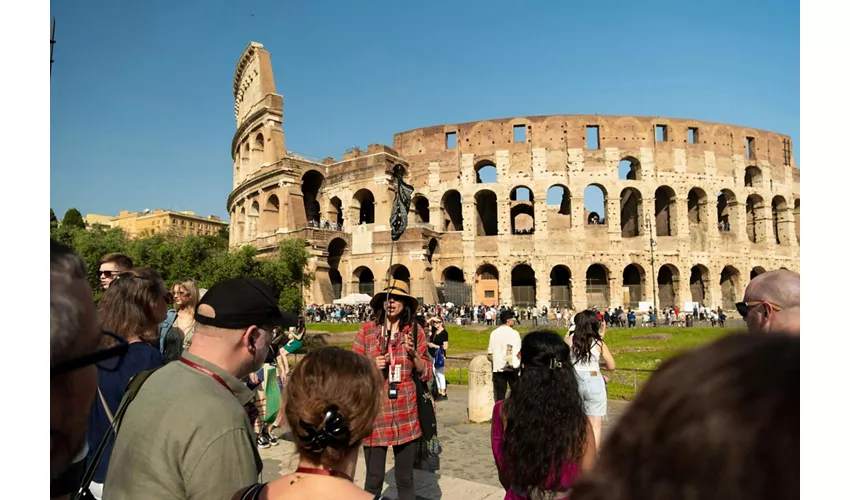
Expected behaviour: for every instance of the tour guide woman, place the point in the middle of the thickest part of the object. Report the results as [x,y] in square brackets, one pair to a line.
[398,361]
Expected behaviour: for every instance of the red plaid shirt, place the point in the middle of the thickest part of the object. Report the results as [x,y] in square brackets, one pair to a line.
[398,423]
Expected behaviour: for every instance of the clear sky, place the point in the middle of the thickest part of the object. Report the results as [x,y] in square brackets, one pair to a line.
[142,104]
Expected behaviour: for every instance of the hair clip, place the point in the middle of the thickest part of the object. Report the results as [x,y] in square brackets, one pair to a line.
[553,364]
[333,431]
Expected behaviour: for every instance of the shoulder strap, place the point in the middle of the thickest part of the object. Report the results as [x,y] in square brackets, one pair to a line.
[115,424]
[105,406]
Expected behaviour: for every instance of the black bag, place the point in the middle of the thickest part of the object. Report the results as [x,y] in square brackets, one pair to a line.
[429,444]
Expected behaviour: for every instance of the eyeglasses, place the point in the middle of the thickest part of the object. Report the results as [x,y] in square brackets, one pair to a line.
[744,307]
[108,274]
[182,293]
[108,359]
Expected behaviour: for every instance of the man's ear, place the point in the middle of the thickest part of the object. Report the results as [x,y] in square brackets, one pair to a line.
[250,337]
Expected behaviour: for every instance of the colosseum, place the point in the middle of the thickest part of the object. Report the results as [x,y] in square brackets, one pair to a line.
[686,211]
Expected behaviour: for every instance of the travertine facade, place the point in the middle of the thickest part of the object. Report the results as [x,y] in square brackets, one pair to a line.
[715,204]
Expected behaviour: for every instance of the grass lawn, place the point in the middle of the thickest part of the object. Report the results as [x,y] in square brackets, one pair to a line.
[636,358]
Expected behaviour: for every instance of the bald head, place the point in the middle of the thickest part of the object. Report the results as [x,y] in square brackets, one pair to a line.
[781,288]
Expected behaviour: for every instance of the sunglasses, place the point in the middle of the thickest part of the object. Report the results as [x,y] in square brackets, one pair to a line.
[108,274]
[108,359]
[745,307]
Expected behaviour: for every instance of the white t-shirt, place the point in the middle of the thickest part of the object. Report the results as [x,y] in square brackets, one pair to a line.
[500,339]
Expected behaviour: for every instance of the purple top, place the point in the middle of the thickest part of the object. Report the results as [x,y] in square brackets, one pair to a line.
[569,474]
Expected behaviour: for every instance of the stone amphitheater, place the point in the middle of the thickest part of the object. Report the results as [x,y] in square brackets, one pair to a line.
[562,210]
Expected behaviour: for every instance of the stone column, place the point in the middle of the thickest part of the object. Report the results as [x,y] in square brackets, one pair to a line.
[481,396]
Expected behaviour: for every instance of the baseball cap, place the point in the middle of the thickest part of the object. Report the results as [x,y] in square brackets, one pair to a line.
[240,303]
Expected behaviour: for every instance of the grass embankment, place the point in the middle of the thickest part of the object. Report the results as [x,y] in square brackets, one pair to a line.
[636,357]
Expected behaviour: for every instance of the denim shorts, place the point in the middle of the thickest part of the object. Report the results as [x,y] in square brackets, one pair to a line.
[593,393]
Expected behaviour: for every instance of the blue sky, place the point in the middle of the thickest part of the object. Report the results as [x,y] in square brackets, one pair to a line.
[142,104]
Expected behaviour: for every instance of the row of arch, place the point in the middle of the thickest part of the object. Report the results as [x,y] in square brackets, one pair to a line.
[597,279]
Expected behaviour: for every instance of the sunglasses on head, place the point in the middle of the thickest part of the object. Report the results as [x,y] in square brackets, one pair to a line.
[108,359]
[745,307]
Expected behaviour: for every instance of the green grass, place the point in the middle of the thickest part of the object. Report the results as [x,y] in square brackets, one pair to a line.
[334,327]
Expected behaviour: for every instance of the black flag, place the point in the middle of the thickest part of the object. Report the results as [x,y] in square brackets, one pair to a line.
[398,218]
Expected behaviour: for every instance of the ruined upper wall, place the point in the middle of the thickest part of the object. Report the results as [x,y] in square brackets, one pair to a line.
[252,81]
[719,145]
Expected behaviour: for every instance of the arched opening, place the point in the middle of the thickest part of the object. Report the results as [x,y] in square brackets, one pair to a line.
[633,280]
[668,286]
[560,287]
[631,206]
[402,273]
[253,219]
[336,212]
[729,287]
[336,283]
[364,203]
[486,173]
[755,218]
[756,271]
[452,211]
[595,205]
[261,143]
[455,289]
[665,211]
[365,280]
[522,210]
[698,282]
[422,209]
[269,220]
[629,169]
[726,206]
[335,250]
[779,213]
[240,225]
[246,150]
[523,286]
[487,209]
[487,285]
[752,176]
[597,286]
[698,209]
[311,184]
[433,249]
[797,218]
[558,208]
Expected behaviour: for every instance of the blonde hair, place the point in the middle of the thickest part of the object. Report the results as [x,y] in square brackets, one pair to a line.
[191,286]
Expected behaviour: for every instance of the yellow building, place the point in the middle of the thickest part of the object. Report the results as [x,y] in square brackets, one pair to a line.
[147,223]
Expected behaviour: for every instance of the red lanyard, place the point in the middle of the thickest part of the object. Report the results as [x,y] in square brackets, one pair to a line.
[204,370]
[323,472]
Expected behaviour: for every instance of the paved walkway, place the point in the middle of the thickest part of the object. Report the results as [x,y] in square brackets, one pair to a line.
[465,470]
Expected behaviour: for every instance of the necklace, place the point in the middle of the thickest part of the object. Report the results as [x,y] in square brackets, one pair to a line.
[323,472]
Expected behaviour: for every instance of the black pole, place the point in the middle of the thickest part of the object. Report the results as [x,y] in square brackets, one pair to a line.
[52,41]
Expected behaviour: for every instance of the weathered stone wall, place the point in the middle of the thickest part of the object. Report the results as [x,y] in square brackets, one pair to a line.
[492,239]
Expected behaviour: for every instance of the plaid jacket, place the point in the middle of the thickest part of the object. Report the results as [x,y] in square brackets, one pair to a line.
[398,423]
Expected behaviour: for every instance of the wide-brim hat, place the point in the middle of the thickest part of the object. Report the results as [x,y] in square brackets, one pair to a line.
[396,288]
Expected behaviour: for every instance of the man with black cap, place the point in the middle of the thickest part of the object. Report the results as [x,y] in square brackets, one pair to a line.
[187,434]
[503,350]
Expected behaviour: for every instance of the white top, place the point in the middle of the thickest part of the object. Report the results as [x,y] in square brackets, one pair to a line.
[500,339]
[591,365]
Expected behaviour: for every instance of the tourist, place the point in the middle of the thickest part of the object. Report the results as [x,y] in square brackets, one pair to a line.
[541,437]
[334,397]
[74,353]
[400,353]
[132,307]
[587,346]
[503,350]
[438,346]
[558,317]
[187,434]
[176,337]
[722,421]
[110,266]
[772,302]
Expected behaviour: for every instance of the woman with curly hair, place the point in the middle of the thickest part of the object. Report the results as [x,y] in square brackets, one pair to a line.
[541,438]
[586,348]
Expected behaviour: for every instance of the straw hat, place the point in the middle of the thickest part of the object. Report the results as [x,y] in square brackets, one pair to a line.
[396,288]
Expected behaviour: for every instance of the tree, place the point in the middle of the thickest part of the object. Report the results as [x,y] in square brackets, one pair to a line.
[53,217]
[73,218]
